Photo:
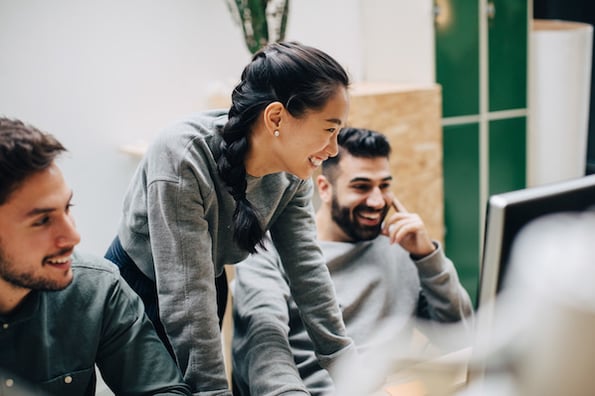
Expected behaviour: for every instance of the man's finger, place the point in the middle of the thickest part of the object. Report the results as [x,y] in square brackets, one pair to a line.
[397,205]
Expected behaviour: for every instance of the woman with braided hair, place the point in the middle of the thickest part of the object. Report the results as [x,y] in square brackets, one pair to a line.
[209,188]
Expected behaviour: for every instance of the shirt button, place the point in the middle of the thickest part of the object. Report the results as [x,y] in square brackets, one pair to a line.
[5,326]
[9,383]
[67,379]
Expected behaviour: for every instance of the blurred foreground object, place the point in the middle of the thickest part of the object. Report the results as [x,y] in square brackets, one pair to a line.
[542,341]
[539,342]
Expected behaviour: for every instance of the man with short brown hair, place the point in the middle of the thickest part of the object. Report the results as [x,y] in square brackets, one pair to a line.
[63,312]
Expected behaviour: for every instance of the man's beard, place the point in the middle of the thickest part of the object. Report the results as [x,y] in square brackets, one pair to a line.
[8,272]
[346,220]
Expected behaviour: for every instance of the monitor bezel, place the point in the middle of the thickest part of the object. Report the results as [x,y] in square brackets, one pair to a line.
[493,266]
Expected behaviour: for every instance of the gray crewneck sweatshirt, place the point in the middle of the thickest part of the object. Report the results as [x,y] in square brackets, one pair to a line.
[375,282]
[177,227]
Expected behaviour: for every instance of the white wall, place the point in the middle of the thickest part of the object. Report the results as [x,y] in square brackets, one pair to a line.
[103,74]
[398,43]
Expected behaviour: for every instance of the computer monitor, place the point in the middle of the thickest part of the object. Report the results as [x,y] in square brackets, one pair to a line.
[508,213]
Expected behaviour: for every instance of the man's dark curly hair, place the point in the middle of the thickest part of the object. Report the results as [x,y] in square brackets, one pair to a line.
[24,151]
[358,142]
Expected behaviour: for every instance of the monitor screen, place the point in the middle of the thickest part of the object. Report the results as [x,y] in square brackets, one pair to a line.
[507,213]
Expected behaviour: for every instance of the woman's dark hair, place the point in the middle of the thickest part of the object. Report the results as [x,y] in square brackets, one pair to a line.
[358,142]
[24,150]
[300,77]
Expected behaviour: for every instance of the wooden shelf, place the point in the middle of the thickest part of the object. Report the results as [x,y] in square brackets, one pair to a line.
[136,150]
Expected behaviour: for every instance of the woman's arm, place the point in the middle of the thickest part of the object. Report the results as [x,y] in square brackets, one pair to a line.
[263,359]
[184,272]
[294,236]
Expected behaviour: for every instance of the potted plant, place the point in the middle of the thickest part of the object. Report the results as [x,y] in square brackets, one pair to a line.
[262,21]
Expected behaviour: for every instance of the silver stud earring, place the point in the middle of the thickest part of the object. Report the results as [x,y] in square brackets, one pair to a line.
[276,133]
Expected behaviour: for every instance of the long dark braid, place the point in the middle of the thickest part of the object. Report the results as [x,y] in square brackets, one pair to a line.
[301,78]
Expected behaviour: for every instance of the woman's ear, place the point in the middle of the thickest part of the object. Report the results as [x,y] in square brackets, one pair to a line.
[273,115]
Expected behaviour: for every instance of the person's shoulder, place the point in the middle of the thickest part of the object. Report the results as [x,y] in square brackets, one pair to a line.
[201,125]
[209,120]
[94,279]
[285,181]
[197,125]
[86,263]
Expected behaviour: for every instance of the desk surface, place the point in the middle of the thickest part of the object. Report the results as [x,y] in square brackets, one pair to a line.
[440,376]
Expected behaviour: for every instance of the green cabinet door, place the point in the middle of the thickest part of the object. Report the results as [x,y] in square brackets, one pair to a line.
[507,55]
[457,56]
[468,175]
[461,201]
[507,155]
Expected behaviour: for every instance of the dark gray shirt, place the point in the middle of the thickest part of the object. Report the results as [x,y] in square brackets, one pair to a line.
[54,339]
